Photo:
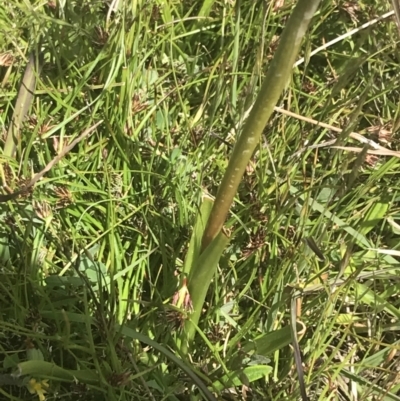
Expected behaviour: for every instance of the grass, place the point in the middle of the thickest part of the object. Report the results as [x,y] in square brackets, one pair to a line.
[92,254]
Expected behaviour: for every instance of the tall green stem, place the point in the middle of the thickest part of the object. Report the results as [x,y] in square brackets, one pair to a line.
[274,83]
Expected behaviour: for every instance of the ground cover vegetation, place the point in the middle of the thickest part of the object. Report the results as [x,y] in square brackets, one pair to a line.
[120,278]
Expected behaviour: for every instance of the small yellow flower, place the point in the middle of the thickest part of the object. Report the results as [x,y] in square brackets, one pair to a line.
[39,388]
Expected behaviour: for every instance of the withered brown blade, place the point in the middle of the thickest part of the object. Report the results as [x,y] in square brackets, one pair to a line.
[23,104]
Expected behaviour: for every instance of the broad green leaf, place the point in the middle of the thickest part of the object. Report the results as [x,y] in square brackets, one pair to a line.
[245,376]
[199,280]
[197,235]
[51,370]
[34,354]
[374,216]
[10,361]
[268,343]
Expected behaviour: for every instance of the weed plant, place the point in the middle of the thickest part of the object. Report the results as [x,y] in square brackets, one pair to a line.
[305,297]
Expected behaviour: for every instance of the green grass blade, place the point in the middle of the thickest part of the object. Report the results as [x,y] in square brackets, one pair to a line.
[206,8]
[127,331]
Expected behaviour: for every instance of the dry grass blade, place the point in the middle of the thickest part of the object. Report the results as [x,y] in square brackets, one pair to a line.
[381,152]
[23,103]
[38,176]
[377,149]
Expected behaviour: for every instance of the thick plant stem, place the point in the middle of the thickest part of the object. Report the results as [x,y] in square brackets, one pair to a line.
[274,83]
